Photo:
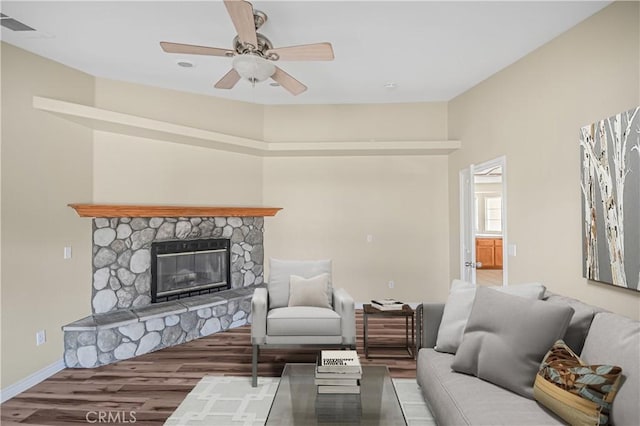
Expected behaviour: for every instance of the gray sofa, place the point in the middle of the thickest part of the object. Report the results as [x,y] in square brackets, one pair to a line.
[599,337]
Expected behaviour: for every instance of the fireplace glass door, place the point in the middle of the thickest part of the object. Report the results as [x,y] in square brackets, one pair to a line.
[186,269]
[180,272]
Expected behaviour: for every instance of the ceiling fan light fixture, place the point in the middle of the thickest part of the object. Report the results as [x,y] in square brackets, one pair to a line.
[253,67]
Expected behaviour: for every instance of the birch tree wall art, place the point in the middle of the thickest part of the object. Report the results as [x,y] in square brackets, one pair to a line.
[610,181]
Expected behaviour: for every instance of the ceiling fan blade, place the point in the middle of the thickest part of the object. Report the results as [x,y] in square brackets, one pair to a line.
[229,80]
[192,49]
[288,82]
[241,13]
[305,52]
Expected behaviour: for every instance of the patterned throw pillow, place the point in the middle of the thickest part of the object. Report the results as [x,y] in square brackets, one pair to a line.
[578,393]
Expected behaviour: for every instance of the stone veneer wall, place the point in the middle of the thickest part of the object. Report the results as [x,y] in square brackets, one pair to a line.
[122,255]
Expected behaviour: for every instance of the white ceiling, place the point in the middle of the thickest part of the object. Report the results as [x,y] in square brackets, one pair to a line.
[432,51]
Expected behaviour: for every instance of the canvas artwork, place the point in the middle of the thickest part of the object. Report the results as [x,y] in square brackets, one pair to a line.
[610,180]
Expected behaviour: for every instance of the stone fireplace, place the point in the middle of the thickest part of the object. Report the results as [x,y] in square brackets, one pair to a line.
[122,254]
[141,253]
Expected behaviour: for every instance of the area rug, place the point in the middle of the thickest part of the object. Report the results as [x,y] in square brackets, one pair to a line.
[231,401]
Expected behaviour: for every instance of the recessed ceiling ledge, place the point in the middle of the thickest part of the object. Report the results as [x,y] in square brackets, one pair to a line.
[117,122]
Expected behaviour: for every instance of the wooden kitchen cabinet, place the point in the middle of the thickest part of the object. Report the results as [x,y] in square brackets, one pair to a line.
[498,252]
[489,252]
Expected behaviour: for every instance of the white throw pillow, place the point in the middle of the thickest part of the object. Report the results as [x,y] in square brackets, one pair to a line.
[312,291]
[458,307]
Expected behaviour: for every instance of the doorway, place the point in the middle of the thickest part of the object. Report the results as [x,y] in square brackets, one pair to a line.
[483,237]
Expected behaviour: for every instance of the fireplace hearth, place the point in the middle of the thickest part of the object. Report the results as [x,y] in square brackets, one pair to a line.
[185,268]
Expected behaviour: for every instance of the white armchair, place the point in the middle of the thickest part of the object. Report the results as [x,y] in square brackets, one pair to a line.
[298,307]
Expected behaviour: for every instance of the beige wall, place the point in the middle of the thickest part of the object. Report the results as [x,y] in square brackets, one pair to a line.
[200,111]
[331,204]
[317,123]
[46,164]
[132,170]
[532,112]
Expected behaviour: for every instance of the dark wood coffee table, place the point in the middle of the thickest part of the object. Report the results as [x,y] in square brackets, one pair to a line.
[407,312]
[297,403]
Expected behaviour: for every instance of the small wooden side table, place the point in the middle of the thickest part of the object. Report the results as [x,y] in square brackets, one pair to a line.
[406,312]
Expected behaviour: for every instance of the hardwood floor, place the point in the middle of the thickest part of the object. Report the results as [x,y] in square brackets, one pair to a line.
[153,385]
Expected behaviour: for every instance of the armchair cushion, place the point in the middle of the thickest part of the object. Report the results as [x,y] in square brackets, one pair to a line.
[303,321]
[312,291]
[280,272]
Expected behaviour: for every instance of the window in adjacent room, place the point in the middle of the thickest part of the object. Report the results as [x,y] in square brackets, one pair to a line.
[493,214]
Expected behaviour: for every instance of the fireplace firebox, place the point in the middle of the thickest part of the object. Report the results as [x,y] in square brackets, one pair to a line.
[188,268]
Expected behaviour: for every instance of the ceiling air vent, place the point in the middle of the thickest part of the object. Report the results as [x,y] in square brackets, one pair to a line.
[13,24]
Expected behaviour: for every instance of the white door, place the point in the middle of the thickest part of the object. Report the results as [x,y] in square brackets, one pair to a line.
[467,233]
[483,216]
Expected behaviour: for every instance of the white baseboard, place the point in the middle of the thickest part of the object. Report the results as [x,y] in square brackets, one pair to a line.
[32,380]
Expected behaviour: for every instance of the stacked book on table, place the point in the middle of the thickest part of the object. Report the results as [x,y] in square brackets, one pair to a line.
[387,304]
[338,372]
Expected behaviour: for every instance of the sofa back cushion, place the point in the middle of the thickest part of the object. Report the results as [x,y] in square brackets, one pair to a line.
[507,337]
[614,339]
[280,272]
[458,307]
[580,322]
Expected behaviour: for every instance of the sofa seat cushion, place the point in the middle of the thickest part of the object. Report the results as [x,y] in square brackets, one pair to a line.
[460,399]
[303,321]
[614,339]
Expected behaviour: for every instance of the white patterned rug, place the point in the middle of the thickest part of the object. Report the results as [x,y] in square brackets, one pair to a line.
[231,401]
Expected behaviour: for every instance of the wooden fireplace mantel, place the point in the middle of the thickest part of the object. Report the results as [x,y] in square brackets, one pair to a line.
[117,210]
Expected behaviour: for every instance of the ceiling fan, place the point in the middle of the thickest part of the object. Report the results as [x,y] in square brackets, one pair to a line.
[253,54]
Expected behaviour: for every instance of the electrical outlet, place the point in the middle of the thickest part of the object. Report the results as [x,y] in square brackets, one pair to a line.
[391,284]
[41,337]
[369,238]
[67,252]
